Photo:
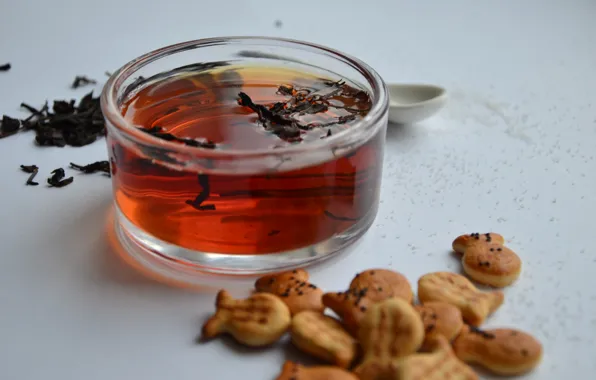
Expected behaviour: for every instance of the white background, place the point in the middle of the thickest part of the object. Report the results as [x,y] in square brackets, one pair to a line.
[513,153]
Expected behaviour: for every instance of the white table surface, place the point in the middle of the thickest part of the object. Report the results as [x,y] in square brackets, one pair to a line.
[513,153]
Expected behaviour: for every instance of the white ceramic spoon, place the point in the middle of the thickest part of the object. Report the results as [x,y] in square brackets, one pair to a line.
[411,103]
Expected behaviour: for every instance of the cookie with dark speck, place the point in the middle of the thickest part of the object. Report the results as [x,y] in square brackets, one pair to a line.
[381,284]
[294,289]
[503,351]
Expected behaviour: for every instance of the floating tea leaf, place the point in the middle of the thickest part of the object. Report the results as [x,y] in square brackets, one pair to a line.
[198,202]
[5,67]
[280,117]
[159,133]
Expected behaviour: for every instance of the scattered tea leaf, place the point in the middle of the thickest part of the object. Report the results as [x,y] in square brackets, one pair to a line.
[57,179]
[81,80]
[32,110]
[33,170]
[63,107]
[29,168]
[66,124]
[5,67]
[9,126]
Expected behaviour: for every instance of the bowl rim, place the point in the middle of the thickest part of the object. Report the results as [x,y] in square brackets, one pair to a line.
[111,110]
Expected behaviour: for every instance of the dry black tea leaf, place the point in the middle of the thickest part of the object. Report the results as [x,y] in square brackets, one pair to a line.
[9,126]
[63,107]
[34,111]
[66,123]
[57,175]
[81,80]
[57,179]
[5,67]
[31,169]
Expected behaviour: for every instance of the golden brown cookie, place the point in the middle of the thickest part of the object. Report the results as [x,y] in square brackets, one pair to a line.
[323,337]
[439,319]
[440,364]
[259,320]
[458,291]
[491,264]
[502,351]
[390,330]
[294,289]
[464,241]
[271,282]
[380,284]
[350,306]
[295,371]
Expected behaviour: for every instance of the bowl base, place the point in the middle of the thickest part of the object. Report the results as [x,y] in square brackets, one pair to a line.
[189,268]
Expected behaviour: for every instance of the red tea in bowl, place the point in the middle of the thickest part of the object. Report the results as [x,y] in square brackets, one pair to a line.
[248,108]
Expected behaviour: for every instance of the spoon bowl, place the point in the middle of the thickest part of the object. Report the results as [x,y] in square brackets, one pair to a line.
[411,103]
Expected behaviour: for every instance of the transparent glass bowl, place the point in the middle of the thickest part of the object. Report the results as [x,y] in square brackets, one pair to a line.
[182,264]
